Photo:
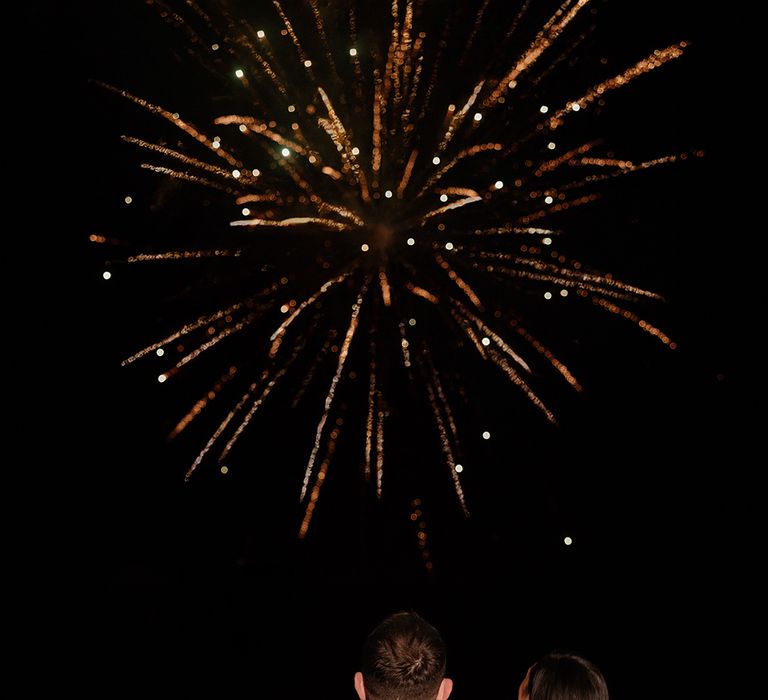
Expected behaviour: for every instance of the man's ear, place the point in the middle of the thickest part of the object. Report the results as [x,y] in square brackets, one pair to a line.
[445,689]
[359,686]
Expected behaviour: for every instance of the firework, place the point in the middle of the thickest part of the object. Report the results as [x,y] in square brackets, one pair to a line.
[421,195]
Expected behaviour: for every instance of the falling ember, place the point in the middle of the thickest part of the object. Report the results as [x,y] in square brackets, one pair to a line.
[321,476]
[343,354]
[387,178]
[201,404]
[422,535]
[447,447]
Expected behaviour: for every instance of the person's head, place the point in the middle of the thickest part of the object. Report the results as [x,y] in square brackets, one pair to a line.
[403,659]
[562,676]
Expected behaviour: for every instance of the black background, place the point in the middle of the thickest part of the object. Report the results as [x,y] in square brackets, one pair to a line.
[187,583]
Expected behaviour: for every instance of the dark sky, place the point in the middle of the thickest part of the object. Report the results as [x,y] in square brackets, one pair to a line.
[207,578]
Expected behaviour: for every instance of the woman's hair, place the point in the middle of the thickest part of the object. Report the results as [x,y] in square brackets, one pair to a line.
[403,658]
[563,676]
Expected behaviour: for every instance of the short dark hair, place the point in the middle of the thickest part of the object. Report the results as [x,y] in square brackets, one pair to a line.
[403,659]
[565,676]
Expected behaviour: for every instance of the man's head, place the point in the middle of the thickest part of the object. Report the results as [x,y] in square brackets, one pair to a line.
[403,659]
[561,676]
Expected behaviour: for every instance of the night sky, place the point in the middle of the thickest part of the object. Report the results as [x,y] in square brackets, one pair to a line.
[206,581]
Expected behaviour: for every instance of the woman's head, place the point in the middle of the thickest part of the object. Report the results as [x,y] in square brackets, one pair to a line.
[563,676]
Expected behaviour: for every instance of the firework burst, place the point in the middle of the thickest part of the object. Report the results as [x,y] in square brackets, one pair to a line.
[424,173]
